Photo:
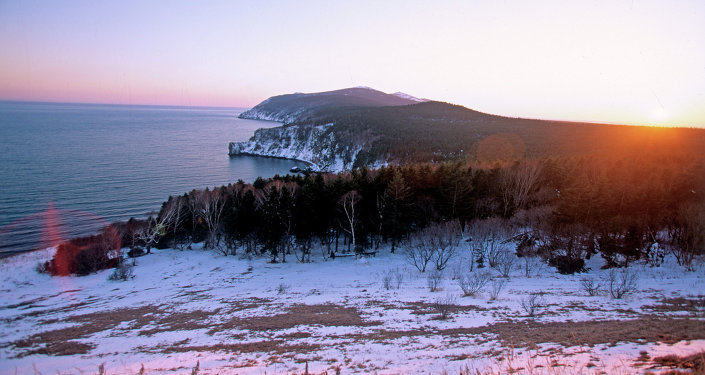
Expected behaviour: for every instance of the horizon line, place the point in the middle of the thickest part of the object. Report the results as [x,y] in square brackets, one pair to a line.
[428,100]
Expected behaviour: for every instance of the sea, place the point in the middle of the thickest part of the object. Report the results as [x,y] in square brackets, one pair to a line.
[67,170]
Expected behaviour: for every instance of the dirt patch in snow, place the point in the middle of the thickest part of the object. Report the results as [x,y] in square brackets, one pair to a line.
[328,315]
[425,308]
[57,348]
[269,346]
[180,320]
[641,330]
[529,333]
[63,341]
[692,305]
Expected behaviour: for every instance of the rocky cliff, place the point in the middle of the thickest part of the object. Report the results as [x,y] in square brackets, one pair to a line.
[317,145]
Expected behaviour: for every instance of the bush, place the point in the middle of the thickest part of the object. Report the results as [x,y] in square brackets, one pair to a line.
[472,284]
[123,271]
[392,279]
[504,263]
[434,281]
[530,265]
[567,265]
[590,286]
[497,286]
[85,255]
[622,283]
[282,288]
[531,304]
[444,306]
[136,252]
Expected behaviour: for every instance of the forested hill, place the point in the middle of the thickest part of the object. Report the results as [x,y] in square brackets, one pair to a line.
[351,128]
[436,131]
[300,106]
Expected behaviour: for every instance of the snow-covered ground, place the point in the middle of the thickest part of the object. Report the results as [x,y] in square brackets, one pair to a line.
[246,316]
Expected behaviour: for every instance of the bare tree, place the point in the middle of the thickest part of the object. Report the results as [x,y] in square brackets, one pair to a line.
[155,228]
[488,239]
[446,239]
[691,236]
[420,251]
[348,203]
[438,242]
[517,182]
[210,207]
[381,208]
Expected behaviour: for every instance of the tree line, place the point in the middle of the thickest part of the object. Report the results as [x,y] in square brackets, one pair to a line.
[625,207]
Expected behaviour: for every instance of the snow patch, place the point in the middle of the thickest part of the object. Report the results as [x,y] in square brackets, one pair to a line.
[409,97]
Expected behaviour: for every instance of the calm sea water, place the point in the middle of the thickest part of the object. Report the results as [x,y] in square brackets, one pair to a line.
[67,169]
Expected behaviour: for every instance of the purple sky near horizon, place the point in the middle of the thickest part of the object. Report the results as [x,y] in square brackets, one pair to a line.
[635,62]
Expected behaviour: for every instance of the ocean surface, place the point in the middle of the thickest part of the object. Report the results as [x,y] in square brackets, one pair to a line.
[68,169]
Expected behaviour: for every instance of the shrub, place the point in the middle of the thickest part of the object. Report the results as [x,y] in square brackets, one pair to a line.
[444,306]
[531,304]
[471,284]
[123,271]
[282,288]
[530,265]
[497,286]
[392,279]
[136,252]
[691,239]
[85,255]
[387,281]
[434,281]
[567,265]
[622,283]
[504,263]
[398,278]
[590,286]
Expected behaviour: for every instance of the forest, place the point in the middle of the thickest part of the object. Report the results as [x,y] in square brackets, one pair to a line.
[633,204]
[437,131]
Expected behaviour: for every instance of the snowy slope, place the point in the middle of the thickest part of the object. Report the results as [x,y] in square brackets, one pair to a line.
[409,97]
[236,315]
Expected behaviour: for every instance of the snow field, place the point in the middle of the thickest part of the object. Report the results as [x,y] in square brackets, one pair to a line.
[246,316]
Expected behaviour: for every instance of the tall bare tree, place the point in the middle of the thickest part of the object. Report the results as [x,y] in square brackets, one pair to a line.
[210,205]
[348,202]
[155,228]
[517,182]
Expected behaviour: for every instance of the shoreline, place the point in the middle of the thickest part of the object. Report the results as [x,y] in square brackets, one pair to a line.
[307,162]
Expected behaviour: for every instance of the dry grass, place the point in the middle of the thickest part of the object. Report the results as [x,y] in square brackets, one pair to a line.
[641,330]
[181,321]
[329,315]
[693,305]
[529,333]
[54,348]
[424,308]
[694,364]
[62,341]
[277,347]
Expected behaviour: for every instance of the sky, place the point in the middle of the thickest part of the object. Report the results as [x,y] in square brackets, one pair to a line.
[631,62]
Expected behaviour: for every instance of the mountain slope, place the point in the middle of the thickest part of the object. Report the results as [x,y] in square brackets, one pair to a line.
[299,106]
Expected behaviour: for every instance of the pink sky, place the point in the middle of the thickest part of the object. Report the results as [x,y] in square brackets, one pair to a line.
[638,62]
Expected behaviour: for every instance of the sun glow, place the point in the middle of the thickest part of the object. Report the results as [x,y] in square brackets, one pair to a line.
[659,115]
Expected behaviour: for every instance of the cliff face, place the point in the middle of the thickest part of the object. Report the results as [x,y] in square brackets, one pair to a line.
[317,145]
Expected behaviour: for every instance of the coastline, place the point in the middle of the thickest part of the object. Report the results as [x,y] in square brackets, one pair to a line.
[307,162]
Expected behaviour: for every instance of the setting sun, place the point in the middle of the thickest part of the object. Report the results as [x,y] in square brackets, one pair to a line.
[660,115]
